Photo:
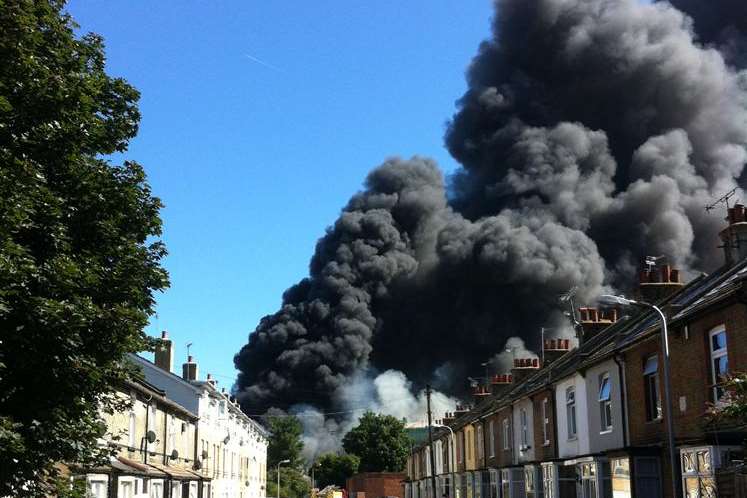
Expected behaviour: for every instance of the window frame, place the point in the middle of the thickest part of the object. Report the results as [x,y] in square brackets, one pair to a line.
[570,412]
[605,402]
[717,393]
[506,434]
[545,422]
[652,389]
[479,436]
[524,421]
[491,445]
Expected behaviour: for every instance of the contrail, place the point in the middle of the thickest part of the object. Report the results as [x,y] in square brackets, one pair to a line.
[260,61]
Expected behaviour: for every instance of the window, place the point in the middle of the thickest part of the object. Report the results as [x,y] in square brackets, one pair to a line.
[131,431]
[126,487]
[480,443]
[546,421]
[156,489]
[719,361]
[491,443]
[605,402]
[588,479]
[524,428]
[506,434]
[460,447]
[548,479]
[570,411]
[176,488]
[651,387]
[98,486]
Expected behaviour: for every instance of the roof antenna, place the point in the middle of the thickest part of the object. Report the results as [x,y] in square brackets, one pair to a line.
[724,199]
[652,261]
[568,297]
[189,345]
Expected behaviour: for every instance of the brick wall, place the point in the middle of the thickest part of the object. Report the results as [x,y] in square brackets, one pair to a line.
[504,457]
[376,484]
[542,451]
[493,461]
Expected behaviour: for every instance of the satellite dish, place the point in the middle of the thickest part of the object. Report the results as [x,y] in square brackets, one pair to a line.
[174,455]
[227,439]
[246,483]
[151,436]
[198,465]
[204,454]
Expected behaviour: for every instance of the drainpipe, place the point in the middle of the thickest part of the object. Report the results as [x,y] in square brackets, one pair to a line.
[144,440]
[623,395]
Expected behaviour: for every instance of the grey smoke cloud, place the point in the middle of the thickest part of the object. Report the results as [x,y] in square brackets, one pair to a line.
[592,133]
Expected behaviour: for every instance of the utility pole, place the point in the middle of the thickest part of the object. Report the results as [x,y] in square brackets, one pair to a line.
[430,441]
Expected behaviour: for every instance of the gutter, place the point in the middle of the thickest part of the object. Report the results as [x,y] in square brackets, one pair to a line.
[623,395]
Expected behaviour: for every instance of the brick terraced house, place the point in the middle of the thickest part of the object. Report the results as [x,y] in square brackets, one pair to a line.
[587,420]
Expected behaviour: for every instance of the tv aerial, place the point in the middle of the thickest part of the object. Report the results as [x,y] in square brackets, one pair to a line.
[724,199]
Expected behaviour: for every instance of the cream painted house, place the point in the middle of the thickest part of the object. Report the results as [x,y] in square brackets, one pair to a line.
[155,444]
[231,447]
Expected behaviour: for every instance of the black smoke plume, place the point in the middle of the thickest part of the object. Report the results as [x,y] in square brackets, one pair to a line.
[593,133]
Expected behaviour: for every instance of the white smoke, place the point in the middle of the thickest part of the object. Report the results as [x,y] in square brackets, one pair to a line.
[389,393]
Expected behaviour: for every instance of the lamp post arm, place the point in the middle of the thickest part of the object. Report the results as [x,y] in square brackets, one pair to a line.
[673,457]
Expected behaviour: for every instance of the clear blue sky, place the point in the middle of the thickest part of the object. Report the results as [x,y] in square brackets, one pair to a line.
[260,119]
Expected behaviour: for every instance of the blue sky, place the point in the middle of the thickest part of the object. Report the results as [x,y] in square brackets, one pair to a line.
[260,119]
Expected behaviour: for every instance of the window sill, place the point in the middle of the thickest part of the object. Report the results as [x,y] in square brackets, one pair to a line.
[606,431]
[655,421]
[574,438]
[546,444]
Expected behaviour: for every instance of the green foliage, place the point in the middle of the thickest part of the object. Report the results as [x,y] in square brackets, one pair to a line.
[79,264]
[733,407]
[380,441]
[285,441]
[293,483]
[335,469]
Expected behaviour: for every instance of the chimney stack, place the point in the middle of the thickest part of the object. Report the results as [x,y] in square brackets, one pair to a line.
[211,380]
[501,383]
[594,320]
[553,349]
[734,236]
[480,392]
[523,367]
[461,410]
[164,357]
[189,369]
[658,282]
[448,419]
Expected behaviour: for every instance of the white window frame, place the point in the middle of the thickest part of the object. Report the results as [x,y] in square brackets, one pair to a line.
[506,434]
[570,412]
[548,480]
[524,427]
[131,430]
[95,481]
[715,355]
[491,445]
[605,402]
[545,422]
[156,488]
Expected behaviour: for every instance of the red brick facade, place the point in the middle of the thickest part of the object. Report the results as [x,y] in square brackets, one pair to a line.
[375,485]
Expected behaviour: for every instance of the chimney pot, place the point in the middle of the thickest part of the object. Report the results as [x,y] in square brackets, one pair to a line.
[666,273]
[164,334]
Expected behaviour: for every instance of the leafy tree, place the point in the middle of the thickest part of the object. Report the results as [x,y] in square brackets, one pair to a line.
[79,262]
[733,406]
[335,469]
[293,483]
[285,441]
[380,441]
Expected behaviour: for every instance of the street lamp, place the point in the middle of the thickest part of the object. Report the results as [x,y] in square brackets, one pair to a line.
[610,300]
[281,462]
[452,462]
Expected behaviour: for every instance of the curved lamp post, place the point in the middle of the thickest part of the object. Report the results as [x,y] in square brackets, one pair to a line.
[610,300]
[281,462]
